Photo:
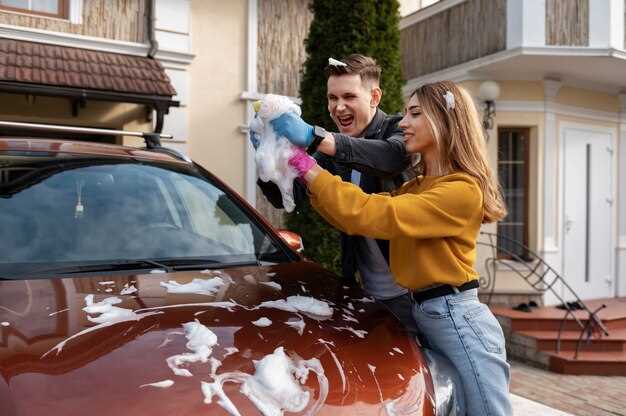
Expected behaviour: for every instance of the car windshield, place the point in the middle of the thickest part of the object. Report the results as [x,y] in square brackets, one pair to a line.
[58,210]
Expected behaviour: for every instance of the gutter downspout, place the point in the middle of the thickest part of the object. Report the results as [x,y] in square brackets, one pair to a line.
[251,87]
[154,48]
[154,44]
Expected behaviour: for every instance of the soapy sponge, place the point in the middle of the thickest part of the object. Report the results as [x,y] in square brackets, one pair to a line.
[274,151]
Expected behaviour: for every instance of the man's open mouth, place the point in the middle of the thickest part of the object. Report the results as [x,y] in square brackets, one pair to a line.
[345,121]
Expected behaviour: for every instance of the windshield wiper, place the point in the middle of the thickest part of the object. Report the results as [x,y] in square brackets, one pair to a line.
[109,266]
[179,264]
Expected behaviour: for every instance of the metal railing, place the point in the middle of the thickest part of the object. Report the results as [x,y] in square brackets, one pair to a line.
[541,277]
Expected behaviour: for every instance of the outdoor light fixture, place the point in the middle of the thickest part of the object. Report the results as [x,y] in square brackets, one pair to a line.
[488,92]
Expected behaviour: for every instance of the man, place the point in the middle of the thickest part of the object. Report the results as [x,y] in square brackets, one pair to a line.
[369,151]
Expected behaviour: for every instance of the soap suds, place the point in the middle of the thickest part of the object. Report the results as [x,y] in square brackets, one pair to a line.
[201,341]
[348,318]
[262,322]
[108,282]
[58,312]
[160,384]
[164,343]
[128,290]
[273,152]
[157,271]
[250,279]
[5,323]
[373,370]
[366,300]
[197,286]
[231,351]
[297,325]
[350,306]
[339,367]
[358,332]
[109,315]
[274,388]
[398,350]
[273,285]
[225,305]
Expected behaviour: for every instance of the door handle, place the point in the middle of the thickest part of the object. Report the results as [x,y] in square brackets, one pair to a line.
[568,224]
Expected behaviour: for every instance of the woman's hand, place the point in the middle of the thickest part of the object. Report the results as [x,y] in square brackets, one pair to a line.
[305,165]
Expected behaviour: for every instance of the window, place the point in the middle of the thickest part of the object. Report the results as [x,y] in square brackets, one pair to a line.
[53,8]
[513,155]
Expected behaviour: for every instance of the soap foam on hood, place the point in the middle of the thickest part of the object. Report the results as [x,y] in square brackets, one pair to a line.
[273,154]
[160,384]
[201,341]
[109,315]
[275,387]
[262,322]
[310,306]
[197,286]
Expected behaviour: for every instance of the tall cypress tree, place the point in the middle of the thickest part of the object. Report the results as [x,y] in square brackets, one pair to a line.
[340,28]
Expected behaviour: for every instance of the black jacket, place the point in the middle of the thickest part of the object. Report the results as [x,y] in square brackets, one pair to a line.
[381,158]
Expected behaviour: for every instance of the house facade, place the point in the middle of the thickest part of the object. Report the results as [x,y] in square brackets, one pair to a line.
[550,77]
[217,56]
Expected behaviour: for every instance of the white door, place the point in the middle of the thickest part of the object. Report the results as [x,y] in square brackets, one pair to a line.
[588,223]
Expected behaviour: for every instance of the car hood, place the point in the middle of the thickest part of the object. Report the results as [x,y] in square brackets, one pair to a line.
[247,339]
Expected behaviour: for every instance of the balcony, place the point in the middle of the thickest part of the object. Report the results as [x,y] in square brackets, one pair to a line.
[578,41]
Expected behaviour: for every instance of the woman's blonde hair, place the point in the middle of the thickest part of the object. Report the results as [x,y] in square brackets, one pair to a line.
[460,139]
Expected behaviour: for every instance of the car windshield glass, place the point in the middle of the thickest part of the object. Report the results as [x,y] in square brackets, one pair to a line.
[66,210]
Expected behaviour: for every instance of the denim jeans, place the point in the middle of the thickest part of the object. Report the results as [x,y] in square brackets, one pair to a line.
[401,307]
[464,330]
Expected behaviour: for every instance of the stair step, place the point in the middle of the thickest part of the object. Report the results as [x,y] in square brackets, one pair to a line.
[547,340]
[550,319]
[589,363]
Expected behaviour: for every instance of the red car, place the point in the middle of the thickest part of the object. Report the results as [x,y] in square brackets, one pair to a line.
[134,282]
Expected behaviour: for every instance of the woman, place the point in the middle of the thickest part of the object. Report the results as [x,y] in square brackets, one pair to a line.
[432,224]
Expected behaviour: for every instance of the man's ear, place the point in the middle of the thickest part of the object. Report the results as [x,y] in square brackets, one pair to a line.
[376,95]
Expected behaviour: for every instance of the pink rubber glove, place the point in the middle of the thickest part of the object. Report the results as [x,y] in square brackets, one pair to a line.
[301,161]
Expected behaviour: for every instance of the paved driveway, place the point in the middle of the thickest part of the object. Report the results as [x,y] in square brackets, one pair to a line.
[577,395]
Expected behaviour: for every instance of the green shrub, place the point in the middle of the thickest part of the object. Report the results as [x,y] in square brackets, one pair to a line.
[340,28]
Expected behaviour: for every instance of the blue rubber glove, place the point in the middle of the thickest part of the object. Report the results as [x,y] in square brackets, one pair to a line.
[296,130]
[254,139]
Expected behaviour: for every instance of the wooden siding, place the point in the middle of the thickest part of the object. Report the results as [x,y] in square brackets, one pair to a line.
[567,22]
[123,20]
[279,62]
[283,26]
[460,34]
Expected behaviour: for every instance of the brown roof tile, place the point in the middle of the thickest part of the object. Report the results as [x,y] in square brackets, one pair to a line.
[81,68]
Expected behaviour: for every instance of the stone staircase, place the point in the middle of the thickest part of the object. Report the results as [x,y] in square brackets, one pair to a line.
[532,338]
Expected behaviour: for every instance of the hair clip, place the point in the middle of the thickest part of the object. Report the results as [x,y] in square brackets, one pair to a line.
[335,62]
[449,97]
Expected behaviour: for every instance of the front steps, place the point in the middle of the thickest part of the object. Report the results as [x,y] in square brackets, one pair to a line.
[532,337]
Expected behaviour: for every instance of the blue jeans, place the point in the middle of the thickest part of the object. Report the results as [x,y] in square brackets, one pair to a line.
[464,330]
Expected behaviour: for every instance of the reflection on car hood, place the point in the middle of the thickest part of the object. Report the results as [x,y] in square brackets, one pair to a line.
[100,343]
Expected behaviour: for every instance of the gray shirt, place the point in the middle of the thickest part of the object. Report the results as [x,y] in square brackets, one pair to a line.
[375,274]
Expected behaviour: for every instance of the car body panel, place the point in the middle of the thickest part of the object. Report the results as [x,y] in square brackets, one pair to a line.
[55,361]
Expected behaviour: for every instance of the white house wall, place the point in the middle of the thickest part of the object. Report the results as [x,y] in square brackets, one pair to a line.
[621,248]
[173,34]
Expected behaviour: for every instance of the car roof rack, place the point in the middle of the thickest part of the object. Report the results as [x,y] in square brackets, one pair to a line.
[152,140]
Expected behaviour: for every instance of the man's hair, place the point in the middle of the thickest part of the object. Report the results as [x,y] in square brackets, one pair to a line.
[358,64]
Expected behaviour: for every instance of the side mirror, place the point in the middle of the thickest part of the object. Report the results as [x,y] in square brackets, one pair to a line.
[292,239]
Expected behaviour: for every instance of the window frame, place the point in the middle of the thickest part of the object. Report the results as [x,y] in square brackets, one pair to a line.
[524,132]
[64,10]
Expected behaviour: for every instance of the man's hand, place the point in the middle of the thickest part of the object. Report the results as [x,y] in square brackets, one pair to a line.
[296,130]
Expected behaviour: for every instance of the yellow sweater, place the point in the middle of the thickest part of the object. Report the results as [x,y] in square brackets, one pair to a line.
[432,224]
